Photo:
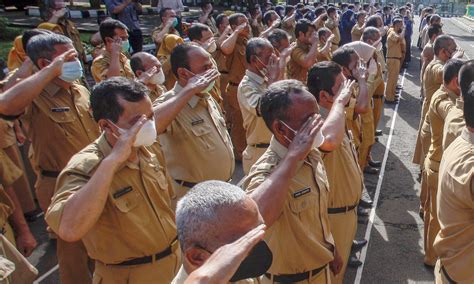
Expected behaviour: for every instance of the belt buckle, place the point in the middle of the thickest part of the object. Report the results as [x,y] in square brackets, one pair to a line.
[174,245]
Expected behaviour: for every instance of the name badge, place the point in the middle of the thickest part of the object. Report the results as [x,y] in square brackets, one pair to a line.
[60,109]
[122,192]
[301,192]
[196,122]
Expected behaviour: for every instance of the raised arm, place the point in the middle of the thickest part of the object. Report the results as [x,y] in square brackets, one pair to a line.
[228,44]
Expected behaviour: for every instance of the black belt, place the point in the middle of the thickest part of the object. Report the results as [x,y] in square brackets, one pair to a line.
[394,58]
[377,96]
[149,259]
[233,84]
[50,174]
[341,209]
[185,183]
[450,280]
[261,145]
[291,278]
[224,72]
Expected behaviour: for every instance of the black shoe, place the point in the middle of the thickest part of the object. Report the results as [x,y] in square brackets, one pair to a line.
[365,203]
[371,171]
[376,139]
[363,211]
[358,245]
[375,164]
[354,262]
[378,132]
[398,87]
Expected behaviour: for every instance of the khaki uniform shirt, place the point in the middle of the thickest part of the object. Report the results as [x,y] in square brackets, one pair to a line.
[300,238]
[343,173]
[137,219]
[294,68]
[158,29]
[454,243]
[220,58]
[156,91]
[196,144]
[442,102]
[9,173]
[249,93]
[60,125]
[432,80]
[453,123]
[236,62]
[257,28]
[334,27]
[7,133]
[395,45]
[356,32]
[211,23]
[100,67]
[323,57]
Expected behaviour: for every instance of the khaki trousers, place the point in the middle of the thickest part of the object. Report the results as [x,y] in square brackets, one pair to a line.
[235,121]
[22,185]
[431,220]
[378,102]
[368,137]
[161,271]
[393,69]
[343,228]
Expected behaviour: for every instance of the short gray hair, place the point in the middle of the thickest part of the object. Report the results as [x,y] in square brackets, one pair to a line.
[198,212]
[370,33]
[442,42]
[255,46]
[43,46]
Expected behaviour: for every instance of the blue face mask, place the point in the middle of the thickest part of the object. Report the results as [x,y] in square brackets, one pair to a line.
[71,71]
[125,46]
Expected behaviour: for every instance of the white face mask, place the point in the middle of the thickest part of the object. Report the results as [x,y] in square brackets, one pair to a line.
[212,48]
[158,78]
[318,139]
[146,136]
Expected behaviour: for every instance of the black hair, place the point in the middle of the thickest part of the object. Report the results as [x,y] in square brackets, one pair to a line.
[442,42]
[434,17]
[276,36]
[370,33]
[303,26]
[451,69]
[468,97]
[104,97]
[163,12]
[220,18]
[44,46]
[267,17]
[342,56]
[331,10]
[107,28]
[322,77]
[276,101]
[179,57]
[136,63]
[234,19]
[195,31]
[28,34]
[372,21]
[466,76]
[323,31]
[435,29]
[319,11]
[289,9]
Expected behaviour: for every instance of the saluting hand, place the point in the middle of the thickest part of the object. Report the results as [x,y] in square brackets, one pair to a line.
[116,46]
[303,141]
[199,82]
[345,91]
[146,76]
[285,54]
[123,147]
[57,63]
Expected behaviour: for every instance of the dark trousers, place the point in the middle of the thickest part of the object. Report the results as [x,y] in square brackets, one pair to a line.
[408,49]
[384,46]
[135,38]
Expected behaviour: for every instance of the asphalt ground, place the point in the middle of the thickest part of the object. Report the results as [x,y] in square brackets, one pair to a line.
[395,250]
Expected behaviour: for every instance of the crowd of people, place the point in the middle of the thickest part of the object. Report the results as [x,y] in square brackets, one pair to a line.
[134,173]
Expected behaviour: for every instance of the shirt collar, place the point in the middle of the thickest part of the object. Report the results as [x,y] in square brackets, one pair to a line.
[451,95]
[459,103]
[278,148]
[255,77]
[468,135]
[193,102]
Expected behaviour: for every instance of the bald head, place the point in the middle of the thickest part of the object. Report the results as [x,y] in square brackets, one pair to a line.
[141,62]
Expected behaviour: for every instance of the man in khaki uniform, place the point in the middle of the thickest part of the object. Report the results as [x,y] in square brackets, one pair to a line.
[333,25]
[223,31]
[169,24]
[306,51]
[59,125]
[442,102]
[325,44]
[395,53]
[54,12]
[427,54]
[114,194]
[358,28]
[296,214]
[258,76]
[113,61]
[454,122]
[234,48]
[196,144]
[147,68]
[206,16]
[325,79]
[455,202]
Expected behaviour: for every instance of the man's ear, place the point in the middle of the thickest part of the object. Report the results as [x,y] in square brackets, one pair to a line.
[139,73]
[196,257]
[42,62]
[182,73]
[103,124]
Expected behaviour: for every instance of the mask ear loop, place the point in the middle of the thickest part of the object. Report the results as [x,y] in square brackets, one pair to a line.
[113,132]
[287,126]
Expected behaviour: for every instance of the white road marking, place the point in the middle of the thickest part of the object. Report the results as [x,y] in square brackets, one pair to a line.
[37,281]
[370,224]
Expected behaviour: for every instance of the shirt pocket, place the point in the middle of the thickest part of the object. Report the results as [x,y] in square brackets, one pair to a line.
[302,200]
[131,207]
[63,117]
[202,133]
